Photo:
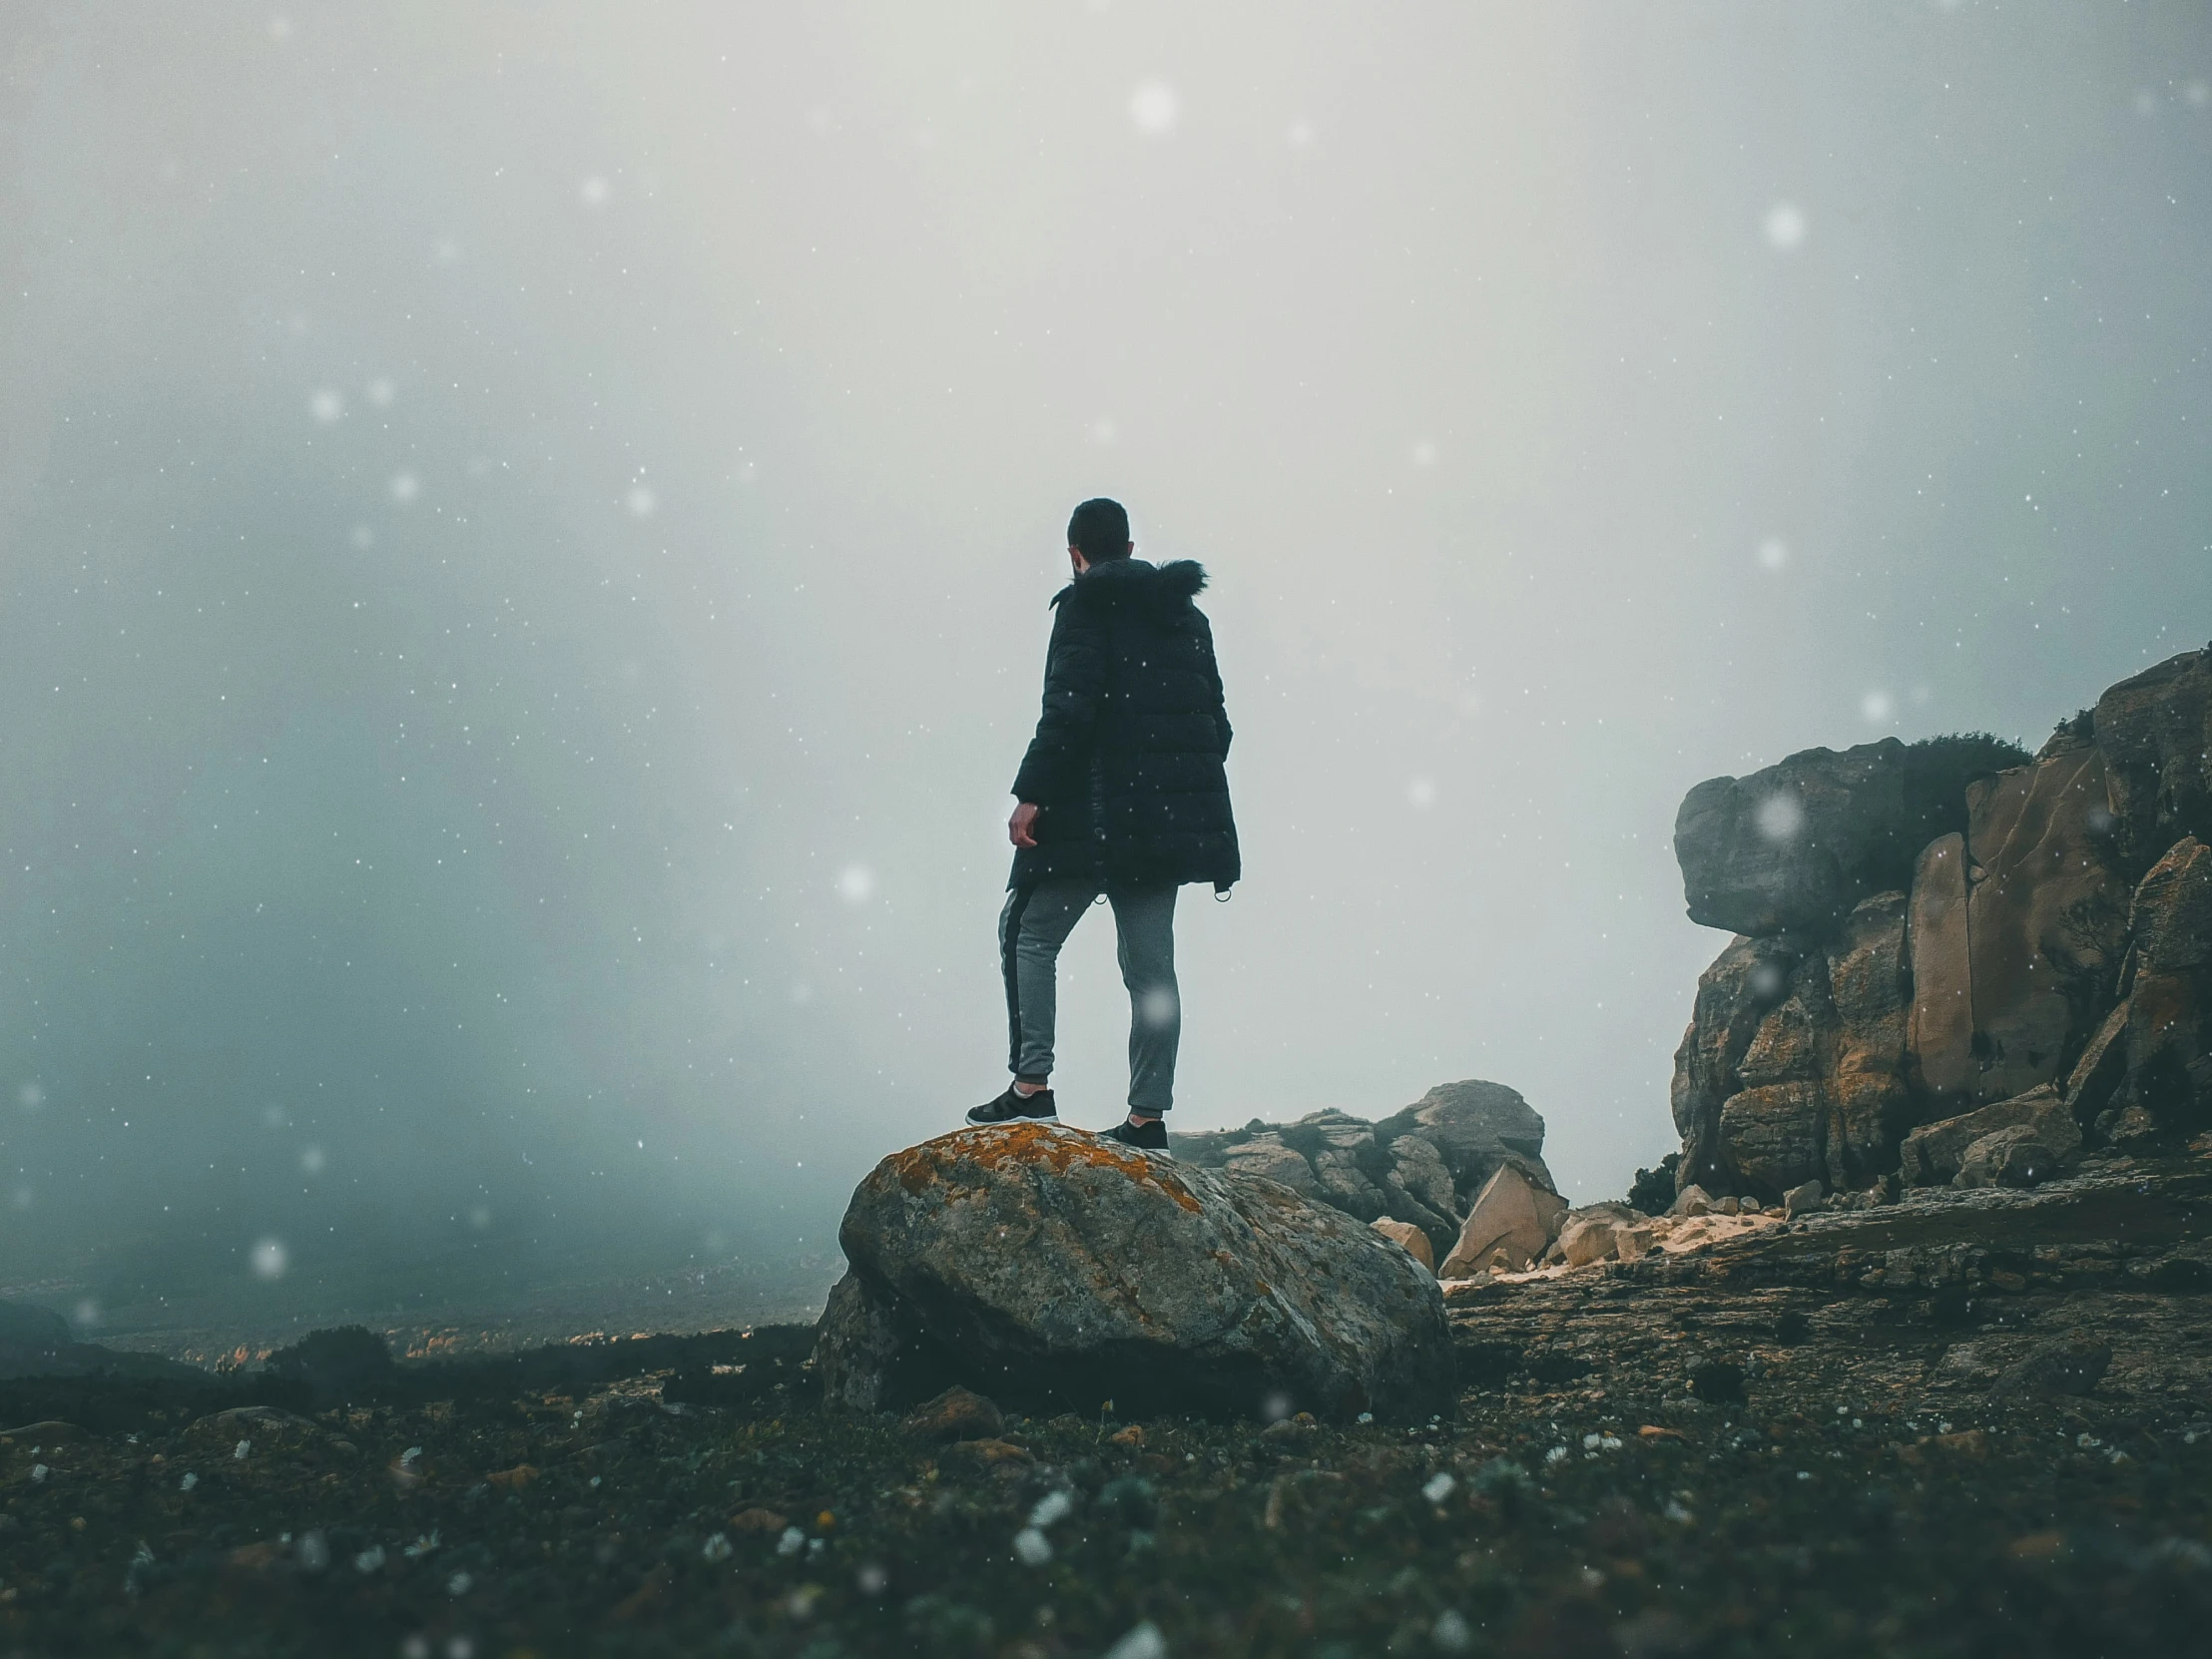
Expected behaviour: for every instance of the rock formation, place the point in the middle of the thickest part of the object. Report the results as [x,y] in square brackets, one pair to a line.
[1923,936]
[1042,1264]
[1426,1164]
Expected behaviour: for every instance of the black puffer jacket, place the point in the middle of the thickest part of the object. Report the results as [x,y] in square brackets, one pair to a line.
[1127,760]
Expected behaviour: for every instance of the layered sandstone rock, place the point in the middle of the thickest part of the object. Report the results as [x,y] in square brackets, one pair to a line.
[1044,1266]
[1794,1066]
[2055,933]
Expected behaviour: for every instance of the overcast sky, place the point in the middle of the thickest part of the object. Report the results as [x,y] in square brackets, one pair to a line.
[525,533]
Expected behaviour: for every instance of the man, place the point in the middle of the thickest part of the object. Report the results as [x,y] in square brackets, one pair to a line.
[1122,792]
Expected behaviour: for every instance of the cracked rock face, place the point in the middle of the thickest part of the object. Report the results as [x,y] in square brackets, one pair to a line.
[2046,916]
[2155,733]
[1794,1065]
[2148,1072]
[1042,1265]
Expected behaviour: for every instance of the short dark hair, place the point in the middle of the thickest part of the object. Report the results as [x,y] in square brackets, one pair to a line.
[1099,530]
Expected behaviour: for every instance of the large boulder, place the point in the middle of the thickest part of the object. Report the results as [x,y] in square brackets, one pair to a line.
[1792,848]
[1513,1224]
[2046,915]
[2155,733]
[1935,1153]
[1043,1266]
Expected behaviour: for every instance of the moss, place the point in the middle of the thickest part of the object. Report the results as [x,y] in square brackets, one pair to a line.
[1937,772]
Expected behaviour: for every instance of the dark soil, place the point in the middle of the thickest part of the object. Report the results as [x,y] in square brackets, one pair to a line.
[1853,1435]
[1612,1516]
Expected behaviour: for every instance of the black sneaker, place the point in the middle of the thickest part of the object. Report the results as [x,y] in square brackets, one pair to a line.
[1149,1136]
[1015,1107]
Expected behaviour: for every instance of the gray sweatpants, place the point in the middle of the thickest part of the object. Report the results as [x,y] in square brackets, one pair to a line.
[1031,928]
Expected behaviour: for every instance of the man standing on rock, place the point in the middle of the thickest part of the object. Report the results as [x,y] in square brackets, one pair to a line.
[1123,793]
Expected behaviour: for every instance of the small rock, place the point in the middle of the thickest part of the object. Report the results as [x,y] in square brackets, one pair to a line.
[958,1414]
[1728,1206]
[758,1520]
[1691,1200]
[1414,1241]
[1800,1200]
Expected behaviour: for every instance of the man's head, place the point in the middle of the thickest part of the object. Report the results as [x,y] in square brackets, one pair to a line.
[1099,531]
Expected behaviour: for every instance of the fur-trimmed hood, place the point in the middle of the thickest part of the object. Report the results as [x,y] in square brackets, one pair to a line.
[1131,581]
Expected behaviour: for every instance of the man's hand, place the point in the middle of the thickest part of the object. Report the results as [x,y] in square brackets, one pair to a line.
[1019,825]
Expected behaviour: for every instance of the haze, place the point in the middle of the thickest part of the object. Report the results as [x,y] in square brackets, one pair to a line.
[525,533]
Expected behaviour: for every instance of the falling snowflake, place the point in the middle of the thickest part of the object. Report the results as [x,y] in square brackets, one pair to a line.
[1154,109]
[1781,816]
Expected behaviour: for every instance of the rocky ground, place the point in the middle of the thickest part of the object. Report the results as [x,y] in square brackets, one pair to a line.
[1969,1423]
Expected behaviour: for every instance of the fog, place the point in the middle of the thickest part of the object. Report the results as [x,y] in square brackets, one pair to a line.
[526,532]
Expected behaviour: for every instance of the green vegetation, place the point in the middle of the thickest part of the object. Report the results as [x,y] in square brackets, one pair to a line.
[1937,772]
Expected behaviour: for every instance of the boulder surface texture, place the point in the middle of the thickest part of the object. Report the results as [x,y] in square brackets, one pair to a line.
[1051,1267]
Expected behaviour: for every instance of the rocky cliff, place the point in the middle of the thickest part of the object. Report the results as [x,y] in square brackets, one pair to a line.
[1921,935]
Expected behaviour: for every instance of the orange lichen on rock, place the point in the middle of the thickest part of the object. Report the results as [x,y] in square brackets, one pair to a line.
[1002,1147]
